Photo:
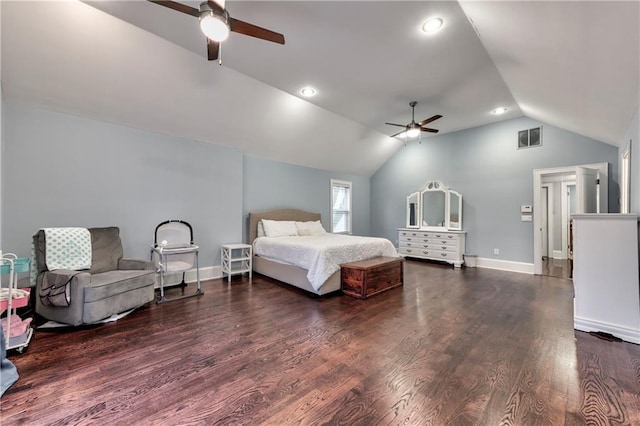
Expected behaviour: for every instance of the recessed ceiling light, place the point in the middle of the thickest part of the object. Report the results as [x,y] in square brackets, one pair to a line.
[498,111]
[432,25]
[308,91]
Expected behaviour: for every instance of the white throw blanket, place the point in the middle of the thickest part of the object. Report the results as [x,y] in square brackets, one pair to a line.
[322,255]
[67,248]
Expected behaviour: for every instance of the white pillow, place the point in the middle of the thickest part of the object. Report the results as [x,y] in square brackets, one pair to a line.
[261,230]
[279,228]
[312,228]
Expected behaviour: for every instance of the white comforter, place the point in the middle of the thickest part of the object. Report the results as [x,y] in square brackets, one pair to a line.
[322,255]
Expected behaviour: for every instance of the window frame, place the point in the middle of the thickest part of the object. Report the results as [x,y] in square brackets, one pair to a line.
[349,212]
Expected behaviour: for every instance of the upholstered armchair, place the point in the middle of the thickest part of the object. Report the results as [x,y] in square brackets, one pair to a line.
[112,284]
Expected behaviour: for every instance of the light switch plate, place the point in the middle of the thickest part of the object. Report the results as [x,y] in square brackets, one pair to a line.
[526,218]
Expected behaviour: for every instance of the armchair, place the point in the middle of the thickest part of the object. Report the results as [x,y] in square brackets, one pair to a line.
[111,286]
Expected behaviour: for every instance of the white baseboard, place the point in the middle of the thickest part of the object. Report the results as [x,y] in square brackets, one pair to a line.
[505,265]
[557,254]
[206,273]
[625,333]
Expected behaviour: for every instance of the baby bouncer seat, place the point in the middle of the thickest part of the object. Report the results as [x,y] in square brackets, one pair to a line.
[173,251]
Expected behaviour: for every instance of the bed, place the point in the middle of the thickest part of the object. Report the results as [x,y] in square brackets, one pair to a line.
[309,262]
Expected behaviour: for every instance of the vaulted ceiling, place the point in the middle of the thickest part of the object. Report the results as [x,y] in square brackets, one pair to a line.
[575,65]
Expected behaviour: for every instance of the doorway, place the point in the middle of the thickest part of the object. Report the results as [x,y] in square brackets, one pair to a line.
[551,220]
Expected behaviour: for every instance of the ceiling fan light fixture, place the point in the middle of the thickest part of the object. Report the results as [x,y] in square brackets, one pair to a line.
[413,132]
[432,25]
[214,26]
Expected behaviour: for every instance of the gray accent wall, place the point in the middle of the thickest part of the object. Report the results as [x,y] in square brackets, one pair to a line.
[494,177]
[63,170]
[270,185]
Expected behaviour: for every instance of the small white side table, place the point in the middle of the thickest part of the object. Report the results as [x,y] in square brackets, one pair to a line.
[236,259]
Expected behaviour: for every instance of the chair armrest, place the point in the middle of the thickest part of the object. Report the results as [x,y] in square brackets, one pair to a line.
[134,264]
[72,313]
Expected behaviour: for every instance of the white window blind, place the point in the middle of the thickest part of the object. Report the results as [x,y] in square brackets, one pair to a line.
[340,207]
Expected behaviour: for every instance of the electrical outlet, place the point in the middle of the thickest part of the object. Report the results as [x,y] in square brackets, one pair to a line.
[496,251]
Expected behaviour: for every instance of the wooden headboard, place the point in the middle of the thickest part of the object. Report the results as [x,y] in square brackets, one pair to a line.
[283,214]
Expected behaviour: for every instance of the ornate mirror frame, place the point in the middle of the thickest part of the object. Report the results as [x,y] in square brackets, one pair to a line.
[448,208]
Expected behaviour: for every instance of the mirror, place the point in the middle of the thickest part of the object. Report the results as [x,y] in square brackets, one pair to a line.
[413,210]
[455,210]
[433,208]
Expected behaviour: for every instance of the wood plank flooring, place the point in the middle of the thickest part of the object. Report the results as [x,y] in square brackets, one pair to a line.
[451,347]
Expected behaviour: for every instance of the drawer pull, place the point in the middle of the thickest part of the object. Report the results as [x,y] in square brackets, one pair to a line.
[444,247]
[438,236]
[408,239]
[425,252]
[444,242]
[450,236]
[414,234]
[444,254]
[409,250]
[408,244]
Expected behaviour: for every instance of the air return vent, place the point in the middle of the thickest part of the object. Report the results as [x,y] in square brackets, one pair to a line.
[530,138]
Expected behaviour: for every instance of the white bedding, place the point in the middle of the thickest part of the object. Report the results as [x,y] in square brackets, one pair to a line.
[322,255]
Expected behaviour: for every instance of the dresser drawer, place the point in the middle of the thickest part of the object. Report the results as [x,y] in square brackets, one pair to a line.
[441,247]
[414,234]
[445,246]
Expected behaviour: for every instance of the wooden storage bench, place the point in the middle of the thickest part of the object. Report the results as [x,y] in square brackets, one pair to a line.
[365,278]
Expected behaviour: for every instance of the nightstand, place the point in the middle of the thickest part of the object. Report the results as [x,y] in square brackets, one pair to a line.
[236,259]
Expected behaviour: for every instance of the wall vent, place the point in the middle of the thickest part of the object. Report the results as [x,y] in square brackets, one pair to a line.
[530,138]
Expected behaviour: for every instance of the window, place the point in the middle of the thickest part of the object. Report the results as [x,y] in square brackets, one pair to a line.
[340,207]
[530,138]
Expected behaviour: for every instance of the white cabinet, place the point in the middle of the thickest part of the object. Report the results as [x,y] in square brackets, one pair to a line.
[605,274]
[447,246]
[236,259]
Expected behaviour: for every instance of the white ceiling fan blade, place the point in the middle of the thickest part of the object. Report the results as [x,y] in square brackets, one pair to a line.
[220,3]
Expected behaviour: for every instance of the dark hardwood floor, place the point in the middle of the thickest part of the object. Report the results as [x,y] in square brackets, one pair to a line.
[451,347]
[559,268]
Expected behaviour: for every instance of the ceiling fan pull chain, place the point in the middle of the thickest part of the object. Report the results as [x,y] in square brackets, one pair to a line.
[220,54]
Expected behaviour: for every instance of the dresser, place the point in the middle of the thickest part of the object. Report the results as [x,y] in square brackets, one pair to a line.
[447,246]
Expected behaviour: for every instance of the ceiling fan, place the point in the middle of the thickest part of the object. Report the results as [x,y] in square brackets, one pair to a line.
[413,129]
[216,24]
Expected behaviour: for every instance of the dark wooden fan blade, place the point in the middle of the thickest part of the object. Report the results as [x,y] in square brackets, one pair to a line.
[213,47]
[426,129]
[178,6]
[430,119]
[251,30]
[394,124]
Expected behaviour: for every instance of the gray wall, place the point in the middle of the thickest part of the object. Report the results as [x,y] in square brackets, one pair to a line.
[272,185]
[493,176]
[63,170]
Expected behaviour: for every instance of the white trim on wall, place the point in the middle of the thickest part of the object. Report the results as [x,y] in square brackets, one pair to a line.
[625,178]
[550,223]
[625,333]
[505,265]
